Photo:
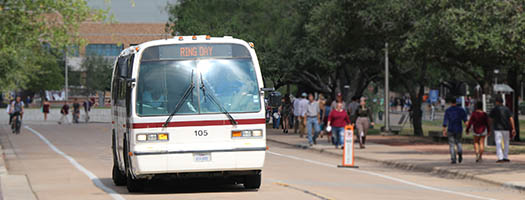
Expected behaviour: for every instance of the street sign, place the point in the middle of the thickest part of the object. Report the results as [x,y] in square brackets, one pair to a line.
[348,148]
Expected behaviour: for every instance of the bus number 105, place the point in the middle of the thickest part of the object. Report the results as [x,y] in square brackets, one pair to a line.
[201,133]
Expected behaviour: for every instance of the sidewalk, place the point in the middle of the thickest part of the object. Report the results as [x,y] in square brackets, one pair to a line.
[420,155]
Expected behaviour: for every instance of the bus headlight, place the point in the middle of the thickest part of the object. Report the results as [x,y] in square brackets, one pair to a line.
[141,137]
[152,137]
[246,133]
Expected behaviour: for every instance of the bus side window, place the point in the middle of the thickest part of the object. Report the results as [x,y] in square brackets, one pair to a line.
[115,84]
[121,84]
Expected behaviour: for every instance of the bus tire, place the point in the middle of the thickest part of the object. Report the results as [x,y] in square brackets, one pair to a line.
[252,181]
[134,185]
[118,177]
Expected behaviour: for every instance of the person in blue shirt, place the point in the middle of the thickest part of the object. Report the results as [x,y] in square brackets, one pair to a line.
[453,129]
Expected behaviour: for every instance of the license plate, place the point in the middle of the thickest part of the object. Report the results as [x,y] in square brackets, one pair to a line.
[202,157]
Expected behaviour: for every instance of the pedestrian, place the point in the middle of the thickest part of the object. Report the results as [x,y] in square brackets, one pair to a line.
[381,109]
[28,101]
[480,121]
[297,113]
[363,122]
[352,109]
[88,103]
[453,129]
[45,108]
[442,102]
[303,105]
[502,124]
[276,116]
[76,110]
[313,117]
[337,120]
[325,111]
[285,110]
[338,99]
[64,111]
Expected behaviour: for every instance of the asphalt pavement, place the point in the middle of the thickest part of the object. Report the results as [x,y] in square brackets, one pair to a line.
[74,162]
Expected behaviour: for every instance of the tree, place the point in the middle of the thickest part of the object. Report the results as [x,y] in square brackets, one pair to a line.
[29,24]
[98,73]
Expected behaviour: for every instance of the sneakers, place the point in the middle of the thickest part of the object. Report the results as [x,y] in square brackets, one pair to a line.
[506,160]
[460,157]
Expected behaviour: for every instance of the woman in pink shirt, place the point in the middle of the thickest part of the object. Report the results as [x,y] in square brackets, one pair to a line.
[338,119]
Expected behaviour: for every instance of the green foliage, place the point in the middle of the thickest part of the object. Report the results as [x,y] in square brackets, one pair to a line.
[98,73]
[29,24]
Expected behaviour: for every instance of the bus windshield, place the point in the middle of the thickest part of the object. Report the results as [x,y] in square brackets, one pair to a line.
[162,83]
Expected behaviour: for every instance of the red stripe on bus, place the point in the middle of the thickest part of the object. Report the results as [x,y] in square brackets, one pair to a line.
[199,123]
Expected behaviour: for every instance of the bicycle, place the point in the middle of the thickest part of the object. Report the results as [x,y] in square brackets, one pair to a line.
[16,123]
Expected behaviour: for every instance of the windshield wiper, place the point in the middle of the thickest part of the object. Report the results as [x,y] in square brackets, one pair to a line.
[214,100]
[187,93]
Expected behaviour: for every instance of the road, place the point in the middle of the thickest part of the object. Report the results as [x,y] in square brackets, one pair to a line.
[289,173]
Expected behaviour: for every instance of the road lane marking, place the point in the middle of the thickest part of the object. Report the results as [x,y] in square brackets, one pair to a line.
[319,196]
[382,176]
[81,168]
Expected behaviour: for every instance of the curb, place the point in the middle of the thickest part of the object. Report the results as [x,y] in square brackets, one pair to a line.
[413,167]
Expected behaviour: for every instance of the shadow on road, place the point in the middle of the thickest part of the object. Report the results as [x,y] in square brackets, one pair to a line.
[183,186]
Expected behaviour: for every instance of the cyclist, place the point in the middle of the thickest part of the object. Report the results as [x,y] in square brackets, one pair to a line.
[17,112]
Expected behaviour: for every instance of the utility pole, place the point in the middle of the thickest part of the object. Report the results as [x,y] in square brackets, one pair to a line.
[387,92]
[65,78]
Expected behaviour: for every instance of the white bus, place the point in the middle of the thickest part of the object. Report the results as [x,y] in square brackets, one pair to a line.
[187,107]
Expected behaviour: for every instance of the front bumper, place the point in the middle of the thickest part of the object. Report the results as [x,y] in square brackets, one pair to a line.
[157,163]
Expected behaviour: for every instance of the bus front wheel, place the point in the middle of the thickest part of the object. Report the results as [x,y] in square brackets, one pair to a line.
[118,177]
[252,181]
[134,185]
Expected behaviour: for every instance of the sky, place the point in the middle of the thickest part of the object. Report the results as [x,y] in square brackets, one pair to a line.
[135,11]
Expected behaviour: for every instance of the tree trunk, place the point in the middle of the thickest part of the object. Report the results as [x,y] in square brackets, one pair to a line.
[417,114]
[512,76]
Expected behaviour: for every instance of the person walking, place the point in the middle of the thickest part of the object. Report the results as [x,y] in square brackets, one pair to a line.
[87,104]
[453,129]
[313,117]
[64,111]
[363,121]
[338,99]
[297,113]
[45,108]
[480,121]
[325,111]
[286,109]
[352,109]
[76,110]
[338,118]
[503,125]
[303,105]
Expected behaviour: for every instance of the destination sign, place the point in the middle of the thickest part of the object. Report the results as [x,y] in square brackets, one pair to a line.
[192,51]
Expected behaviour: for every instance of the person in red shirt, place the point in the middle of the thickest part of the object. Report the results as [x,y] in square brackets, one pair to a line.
[480,121]
[338,119]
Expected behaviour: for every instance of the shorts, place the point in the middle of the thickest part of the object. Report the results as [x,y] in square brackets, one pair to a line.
[484,133]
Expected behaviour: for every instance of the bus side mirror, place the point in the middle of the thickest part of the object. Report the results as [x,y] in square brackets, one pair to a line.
[123,71]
